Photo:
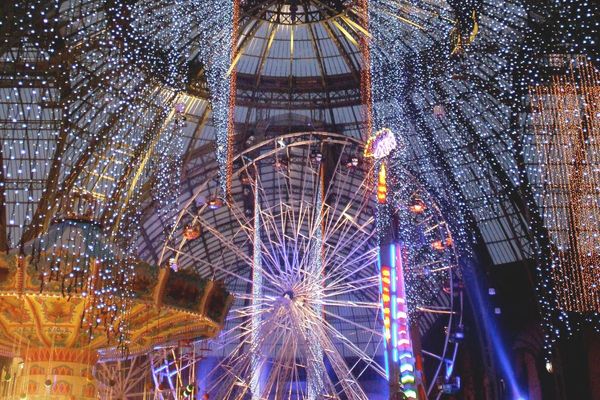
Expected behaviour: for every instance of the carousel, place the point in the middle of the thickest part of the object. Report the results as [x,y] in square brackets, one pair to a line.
[65,319]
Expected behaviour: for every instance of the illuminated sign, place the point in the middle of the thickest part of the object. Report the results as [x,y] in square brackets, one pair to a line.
[381,144]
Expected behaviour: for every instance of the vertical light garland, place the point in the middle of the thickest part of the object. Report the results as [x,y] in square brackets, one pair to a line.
[168,163]
[365,73]
[567,137]
[218,33]
[232,96]
[386,75]
[257,293]
[315,373]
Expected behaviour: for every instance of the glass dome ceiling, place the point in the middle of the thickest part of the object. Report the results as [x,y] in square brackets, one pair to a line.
[306,76]
[293,74]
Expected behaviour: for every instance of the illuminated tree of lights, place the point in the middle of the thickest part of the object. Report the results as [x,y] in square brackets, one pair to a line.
[100,126]
[447,98]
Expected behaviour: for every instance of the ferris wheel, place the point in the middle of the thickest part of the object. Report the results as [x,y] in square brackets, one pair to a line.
[296,243]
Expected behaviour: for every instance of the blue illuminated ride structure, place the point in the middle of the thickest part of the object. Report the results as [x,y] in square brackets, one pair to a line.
[410,252]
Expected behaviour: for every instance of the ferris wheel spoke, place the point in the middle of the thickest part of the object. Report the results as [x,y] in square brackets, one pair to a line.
[281,365]
[240,217]
[274,282]
[235,249]
[342,237]
[360,255]
[260,300]
[347,342]
[346,379]
[356,242]
[354,258]
[343,274]
[432,355]
[271,250]
[273,254]
[352,323]
[283,344]
[301,241]
[362,194]
[216,266]
[181,253]
[436,310]
[277,243]
[243,230]
[241,314]
[219,376]
[351,304]
[345,223]
[334,288]
[296,220]
[351,230]
[239,363]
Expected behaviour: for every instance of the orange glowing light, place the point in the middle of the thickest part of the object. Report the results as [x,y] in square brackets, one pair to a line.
[567,137]
[438,245]
[382,186]
[191,232]
[417,207]
[215,203]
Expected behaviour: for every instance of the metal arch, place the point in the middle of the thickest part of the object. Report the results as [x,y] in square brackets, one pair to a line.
[334,138]
[226,225]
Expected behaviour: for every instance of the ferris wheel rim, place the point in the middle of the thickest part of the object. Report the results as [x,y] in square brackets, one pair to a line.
[212,174]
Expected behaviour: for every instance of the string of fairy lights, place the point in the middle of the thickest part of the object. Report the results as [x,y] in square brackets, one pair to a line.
[93,90]
[465,112]
[216,53]
[390,88]
[548,85]
[566,138]
[111,115]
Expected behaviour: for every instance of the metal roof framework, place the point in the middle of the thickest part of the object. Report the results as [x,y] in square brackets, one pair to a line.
[84,130]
